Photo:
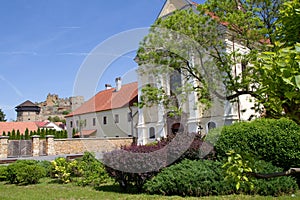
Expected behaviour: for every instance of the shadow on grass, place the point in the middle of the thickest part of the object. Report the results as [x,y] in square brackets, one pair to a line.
[113,187]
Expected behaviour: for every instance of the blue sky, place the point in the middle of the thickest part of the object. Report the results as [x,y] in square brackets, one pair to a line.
[45,43]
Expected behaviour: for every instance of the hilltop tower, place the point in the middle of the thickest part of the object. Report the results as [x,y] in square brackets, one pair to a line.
[27,111]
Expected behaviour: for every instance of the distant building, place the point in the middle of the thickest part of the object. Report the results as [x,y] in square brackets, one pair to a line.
[31,126]
[59,107]
[28,111]
[53,107]
[110,113]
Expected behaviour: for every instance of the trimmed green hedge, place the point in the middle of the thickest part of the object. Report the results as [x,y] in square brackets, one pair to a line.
[190,178]
[275,141]
[25,172]
[206,177]
[3,172]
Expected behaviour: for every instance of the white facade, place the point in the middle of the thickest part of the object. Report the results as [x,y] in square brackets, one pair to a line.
[105,123]
[110,113]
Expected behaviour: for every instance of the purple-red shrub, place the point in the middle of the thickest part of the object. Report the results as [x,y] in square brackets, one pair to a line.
[133,165]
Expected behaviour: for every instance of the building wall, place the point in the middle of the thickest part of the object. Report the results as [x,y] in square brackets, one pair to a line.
[123,128]
[198,117]
[28,117]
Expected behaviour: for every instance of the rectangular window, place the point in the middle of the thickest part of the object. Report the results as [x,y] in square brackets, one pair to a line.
[152,133]
[117,118]
[129,117]
[71,124]
[94,121]
[104,120]
[76,123]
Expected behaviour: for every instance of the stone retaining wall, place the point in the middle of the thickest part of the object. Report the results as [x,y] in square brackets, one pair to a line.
[68,146]
[75,146]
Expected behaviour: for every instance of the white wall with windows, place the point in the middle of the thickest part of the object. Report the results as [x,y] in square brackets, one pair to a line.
[119,122]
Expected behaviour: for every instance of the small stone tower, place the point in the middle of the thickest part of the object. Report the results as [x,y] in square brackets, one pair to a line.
[27,111]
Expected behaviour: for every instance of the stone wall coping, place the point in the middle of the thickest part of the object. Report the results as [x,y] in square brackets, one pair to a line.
[49,136]
[4,137]
[107,138]
[35,136]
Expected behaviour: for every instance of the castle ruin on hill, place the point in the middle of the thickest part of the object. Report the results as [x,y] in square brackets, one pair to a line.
[52,107]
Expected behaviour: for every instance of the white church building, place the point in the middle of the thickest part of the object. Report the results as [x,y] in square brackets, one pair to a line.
[155,122]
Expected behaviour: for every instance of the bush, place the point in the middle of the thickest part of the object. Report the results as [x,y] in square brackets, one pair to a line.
[213,135]
[3,173]
[272,186]
[206,177]
[133,165]
[275,141]
[84,171]
[47,166]
[25,172]
[62,169]
[190,178]
[91,171]
[239,170]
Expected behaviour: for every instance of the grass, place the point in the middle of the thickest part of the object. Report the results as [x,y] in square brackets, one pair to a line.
[49,190]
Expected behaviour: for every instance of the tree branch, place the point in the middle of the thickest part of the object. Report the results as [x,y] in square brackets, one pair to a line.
[276,174]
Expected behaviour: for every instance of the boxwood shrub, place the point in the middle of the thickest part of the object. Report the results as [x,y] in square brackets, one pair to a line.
[276,141]
[190,178]
[206,177]
[3,172]
[25,172]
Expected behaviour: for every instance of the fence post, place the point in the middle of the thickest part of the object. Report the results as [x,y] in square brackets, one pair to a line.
[50,150]
[3,146]
[35,145]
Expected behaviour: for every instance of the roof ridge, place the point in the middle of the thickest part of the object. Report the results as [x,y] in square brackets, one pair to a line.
[108,99]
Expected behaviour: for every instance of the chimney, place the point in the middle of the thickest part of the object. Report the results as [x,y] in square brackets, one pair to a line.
[118,84]
[107,86]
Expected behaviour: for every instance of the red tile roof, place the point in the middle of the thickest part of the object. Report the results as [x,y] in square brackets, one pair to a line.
[86,132]
[42,124]
[109,99]
[21,126]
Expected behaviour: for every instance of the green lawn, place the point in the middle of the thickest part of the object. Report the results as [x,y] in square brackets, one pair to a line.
[48,190]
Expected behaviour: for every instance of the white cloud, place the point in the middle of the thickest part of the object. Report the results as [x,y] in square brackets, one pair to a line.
[99,53]
[17,91]
[70,27]
[18,53]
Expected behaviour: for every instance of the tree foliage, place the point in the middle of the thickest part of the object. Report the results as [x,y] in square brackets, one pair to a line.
[2,116]
[263,40]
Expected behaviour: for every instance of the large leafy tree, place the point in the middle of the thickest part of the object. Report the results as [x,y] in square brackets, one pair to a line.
[2,116]
[192,42]
[277,72]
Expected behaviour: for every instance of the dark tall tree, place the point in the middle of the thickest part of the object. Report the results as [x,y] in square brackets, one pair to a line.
[2,116]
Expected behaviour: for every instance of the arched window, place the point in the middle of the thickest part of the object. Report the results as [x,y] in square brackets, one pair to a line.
[211,125]
[151,132]
[177,127]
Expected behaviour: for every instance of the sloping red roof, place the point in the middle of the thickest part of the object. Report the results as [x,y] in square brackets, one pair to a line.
[86,132]
[41,124]
[21,126]
[109,99]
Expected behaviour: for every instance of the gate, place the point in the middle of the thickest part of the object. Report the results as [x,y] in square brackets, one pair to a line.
[43,147]
[19,148]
